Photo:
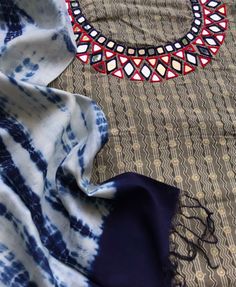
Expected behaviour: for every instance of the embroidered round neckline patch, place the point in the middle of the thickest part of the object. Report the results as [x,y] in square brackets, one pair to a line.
[153,63]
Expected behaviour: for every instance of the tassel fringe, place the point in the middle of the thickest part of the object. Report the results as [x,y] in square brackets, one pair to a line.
[194,228]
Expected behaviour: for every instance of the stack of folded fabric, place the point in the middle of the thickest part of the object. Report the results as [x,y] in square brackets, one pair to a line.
[161,194]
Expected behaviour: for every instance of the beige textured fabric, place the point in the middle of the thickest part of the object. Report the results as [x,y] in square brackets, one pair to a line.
[181,132]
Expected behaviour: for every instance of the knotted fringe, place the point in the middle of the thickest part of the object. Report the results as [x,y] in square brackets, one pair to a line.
[194,228]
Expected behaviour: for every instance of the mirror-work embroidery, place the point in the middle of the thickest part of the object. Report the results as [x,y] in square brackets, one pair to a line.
[154,63]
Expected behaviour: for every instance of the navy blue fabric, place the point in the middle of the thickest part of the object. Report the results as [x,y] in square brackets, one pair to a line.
[134,246]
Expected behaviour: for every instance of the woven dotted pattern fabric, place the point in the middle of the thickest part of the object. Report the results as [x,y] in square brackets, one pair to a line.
[181,131]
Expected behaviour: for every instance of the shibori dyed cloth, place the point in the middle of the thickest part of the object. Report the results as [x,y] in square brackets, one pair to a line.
[55,231]
[56,227]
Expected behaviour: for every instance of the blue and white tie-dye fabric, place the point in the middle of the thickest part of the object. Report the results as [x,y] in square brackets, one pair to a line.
[56,227]
[33,37]
[52,218]
[48,139]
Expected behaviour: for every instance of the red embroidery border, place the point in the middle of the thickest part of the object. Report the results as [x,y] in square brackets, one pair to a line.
[157,68]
